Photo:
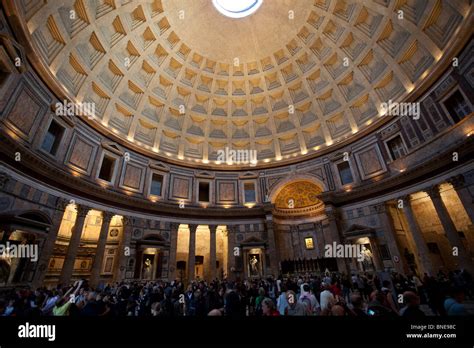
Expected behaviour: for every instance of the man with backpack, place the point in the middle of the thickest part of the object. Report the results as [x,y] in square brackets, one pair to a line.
[308,300]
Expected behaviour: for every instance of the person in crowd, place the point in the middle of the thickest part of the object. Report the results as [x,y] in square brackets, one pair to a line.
[454,303]
[215,313]
[309,300]
[89,307]
[258,301]
[282,303]
[335,288]
[338,311]
[378,305]
[389,297]
[294,308]
[51,299]
[412,306]
[346,288]
[357,305]
[268,308]
[232,303]
[190,301]
[327,299]
[63,304]
[290,295]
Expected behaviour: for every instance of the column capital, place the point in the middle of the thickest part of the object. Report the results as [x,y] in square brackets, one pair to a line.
[4,177]
[406,199]
[107,216]
[232,229]
[457,181]
[269,224]
[268,207]
[127,221]
[82,210]
[193,228]
[331,212]
[61,204]
[380,208]
[174,226]
[433,191]
[213,228]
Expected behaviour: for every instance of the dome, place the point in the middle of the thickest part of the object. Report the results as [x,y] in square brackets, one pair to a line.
[178,80]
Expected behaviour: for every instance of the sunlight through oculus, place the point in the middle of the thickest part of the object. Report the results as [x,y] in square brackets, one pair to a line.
[237,8]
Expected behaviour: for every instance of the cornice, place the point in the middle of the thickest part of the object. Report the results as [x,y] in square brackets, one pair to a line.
[426,170]
[31,164]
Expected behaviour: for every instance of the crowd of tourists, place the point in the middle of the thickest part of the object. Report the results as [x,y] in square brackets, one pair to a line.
[358,295]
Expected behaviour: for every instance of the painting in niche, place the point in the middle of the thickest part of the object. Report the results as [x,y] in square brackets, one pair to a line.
[309,243]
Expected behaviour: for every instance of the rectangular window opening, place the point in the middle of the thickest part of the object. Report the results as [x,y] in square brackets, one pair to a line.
[203,192]
[53,138]
[249,192]
[107,168]
[345,173]
[156,185]
[396,147]
[457,106]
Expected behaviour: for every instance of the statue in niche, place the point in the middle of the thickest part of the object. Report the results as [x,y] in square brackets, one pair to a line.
[254,265]
[147,269]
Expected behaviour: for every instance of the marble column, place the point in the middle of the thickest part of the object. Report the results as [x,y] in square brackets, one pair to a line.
[192,253]
[332,215]
[212,253]
[231,245]
[6,235]
[295,242]
[4,178]
[124,250]
[390,236]
[272,250]
[139,259]
[421,252]
[376,254]
[462,258]
[100,250]
[464,195]
[174,227]
[49,243]
[155,264]
[74,242]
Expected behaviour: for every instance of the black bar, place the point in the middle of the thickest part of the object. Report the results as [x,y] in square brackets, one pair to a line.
[290,331]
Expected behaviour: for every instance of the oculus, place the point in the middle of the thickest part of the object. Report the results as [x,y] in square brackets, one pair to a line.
[237,8]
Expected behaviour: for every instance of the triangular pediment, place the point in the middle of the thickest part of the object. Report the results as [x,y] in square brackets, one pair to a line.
[253,241]
[356,227]
[248,175]
[159,166]
[204,174]
[356,230]
[113,148]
